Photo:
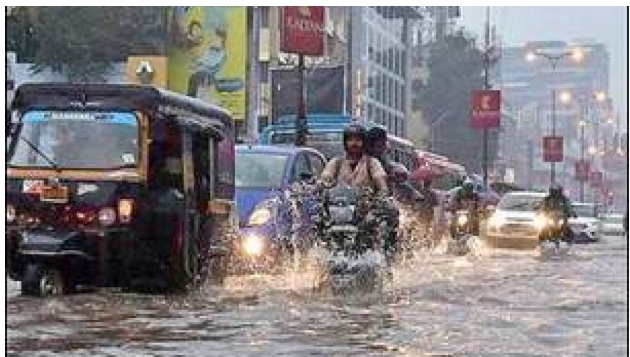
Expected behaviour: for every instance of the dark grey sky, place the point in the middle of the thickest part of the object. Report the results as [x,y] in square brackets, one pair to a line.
[519,24]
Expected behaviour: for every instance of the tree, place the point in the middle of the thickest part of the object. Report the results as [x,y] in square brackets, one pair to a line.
[20,32]
[455,70]
[82,42]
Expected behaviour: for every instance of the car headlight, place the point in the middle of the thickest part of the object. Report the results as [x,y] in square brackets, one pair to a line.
[253,245]
[495,221]
[10,213]
[540,222]
[260,216]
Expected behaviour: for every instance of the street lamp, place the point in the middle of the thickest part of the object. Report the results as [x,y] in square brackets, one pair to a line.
[554,59]
[584,100]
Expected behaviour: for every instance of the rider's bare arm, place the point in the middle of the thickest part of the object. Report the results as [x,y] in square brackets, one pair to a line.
[379,175]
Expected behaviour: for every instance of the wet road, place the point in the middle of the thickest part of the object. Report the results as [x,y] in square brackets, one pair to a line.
[495,303]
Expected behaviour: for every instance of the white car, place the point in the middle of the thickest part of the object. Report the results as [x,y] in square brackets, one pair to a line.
[515,221]
[612,224]
[586,227]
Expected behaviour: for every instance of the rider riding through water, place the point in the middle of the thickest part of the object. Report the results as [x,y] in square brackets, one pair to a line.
[467,198]
[556,201]
[357,169]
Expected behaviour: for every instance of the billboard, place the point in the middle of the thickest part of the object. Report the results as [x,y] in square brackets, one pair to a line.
[303,30]
[486,109]
[207,56]
[582,169]
[553,149]
[324,89]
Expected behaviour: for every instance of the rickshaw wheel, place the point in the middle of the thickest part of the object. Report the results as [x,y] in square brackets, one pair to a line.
[43,280]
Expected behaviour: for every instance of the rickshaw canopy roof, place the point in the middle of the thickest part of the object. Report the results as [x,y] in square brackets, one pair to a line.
[186,111]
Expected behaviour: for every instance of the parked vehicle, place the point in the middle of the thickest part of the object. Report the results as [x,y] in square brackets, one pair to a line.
[116,185]
[274,215]
[612,224]
[586,226]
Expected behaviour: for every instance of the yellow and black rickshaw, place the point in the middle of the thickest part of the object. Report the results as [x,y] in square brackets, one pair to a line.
[118,186]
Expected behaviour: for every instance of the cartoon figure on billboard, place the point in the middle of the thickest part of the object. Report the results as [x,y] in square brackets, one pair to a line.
[203,35]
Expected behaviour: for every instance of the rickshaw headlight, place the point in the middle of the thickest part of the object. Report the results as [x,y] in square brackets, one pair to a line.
[107,216]
[260,216]
[125,209]
[10,213]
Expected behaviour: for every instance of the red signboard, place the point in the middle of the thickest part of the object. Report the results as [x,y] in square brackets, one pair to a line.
[553,149]
[597,178]
[486,109]
[582,169]
[303,30]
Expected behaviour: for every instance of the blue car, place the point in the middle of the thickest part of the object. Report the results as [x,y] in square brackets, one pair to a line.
[263,175]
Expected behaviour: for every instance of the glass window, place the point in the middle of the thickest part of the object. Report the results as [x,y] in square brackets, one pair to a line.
[78,140]
[259,170]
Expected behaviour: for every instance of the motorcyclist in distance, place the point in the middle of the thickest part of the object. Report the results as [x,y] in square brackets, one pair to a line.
[466,198]
[556,201]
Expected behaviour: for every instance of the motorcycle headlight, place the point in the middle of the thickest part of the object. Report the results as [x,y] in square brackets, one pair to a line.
[253,245]
[462,219]
[10,213]
[260,216]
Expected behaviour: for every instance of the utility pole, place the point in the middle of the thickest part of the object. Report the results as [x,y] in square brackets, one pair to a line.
[300,119]
[486,86]
[254,75]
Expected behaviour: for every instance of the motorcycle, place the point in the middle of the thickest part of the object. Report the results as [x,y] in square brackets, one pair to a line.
[552,239]
[464,230]
[351,234]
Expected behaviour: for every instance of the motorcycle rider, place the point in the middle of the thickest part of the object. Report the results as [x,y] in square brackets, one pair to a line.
[557,201]
[466,198]
[355,168]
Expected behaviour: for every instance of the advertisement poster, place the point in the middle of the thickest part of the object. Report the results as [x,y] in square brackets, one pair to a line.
[207,55]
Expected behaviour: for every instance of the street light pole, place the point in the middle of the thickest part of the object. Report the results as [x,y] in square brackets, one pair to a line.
[582,125]
[553,131]
[553,60]
[486,86]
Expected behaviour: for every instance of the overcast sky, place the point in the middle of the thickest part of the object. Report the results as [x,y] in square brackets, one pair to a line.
[608,25]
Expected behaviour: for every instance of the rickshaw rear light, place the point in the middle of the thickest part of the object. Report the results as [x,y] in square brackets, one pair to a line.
[125,209]
[107,216]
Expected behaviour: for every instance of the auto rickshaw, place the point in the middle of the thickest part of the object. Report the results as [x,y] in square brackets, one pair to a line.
[112,185]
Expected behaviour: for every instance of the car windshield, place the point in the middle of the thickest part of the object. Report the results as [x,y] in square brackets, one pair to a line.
[76,140]
[259,170]
[585,211]
[519,202]
[328,143]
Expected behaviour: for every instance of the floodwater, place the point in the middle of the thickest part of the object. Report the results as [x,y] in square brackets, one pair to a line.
[491,303]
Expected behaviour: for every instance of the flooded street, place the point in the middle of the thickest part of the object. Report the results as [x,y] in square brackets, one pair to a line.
[495,303]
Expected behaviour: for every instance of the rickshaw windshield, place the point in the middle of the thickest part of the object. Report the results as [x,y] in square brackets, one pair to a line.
[76,140]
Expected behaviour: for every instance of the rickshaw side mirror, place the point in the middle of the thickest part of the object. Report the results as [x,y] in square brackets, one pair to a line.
[306,176]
